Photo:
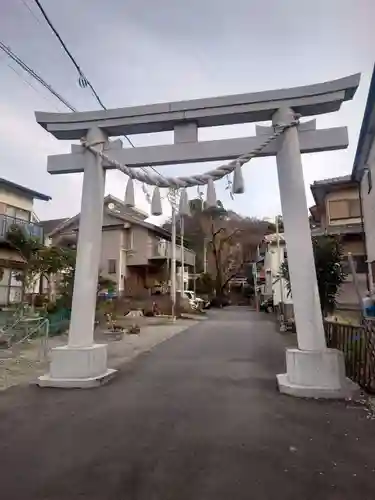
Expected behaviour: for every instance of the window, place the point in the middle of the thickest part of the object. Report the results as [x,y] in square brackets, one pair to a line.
[18,213]
[11,286]
[112,266]
[344,209]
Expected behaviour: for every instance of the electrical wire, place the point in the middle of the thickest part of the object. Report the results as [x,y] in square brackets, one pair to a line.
[35,75]
[83,80]
[31,12]
[29,84]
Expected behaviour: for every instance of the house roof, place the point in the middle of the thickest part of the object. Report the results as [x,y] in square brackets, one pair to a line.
[24,190]
[333,180]
[314,211]
[119,213]
[51,224]
[122,209]
[367,133]
[322,187]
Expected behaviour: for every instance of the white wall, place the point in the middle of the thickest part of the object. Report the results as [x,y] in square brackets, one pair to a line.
[273,259]
[368,204]
[142,246]
[16,200]
[111,248]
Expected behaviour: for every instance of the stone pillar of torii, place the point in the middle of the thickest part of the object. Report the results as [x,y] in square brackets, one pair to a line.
[313,370]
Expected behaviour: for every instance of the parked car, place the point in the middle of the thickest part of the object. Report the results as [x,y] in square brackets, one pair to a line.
[196,302]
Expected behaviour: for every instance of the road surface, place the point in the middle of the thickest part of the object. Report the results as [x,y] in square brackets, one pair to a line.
[198,418]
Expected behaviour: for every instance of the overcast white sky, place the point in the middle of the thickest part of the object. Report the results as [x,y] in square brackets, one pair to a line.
[145,51]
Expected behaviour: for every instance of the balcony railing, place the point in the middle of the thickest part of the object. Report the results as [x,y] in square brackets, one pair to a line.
[163,249]
[30,228]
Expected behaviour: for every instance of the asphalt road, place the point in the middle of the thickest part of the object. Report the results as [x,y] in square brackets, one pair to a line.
[199,418]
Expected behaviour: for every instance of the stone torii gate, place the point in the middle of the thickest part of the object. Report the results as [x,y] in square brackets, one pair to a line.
[312,369]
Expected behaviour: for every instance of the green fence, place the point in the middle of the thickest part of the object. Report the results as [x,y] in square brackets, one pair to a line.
[58,321]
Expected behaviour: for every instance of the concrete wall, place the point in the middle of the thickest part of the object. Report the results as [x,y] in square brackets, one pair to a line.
[368,204]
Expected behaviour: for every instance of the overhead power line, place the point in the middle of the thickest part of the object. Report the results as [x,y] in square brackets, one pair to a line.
[35,75]
[83,80]
[29,84]
[31,12]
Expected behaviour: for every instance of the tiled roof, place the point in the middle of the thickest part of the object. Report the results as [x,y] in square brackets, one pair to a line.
[332,180]
[121,213]
[50,225]
[25,190]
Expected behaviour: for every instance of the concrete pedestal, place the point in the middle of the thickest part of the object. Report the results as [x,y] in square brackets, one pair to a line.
[77,367]
[316,374]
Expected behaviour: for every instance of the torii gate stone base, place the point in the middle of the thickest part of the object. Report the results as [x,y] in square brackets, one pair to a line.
[312,370]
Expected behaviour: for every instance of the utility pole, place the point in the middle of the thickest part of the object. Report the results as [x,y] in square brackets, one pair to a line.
[173,264]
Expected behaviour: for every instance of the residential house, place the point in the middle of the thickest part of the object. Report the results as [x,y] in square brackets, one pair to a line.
[16,208]
[363,173]
[135,254]
[337,212]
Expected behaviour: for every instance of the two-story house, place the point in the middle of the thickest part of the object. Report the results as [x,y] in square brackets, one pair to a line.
[16,208]
[337,212]
[135,255]
[364,173]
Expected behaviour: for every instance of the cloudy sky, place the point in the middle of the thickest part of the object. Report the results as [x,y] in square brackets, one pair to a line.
[146,51]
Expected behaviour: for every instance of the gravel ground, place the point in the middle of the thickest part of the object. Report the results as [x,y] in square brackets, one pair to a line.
[24,365]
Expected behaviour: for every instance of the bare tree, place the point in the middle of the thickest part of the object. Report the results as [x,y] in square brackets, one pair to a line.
[229,240]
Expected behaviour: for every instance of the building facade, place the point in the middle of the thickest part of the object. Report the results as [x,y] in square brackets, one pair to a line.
[135,254]
[364,173]
[16,209]
[338,212]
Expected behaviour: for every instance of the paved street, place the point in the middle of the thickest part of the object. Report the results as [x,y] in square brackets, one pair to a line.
[198,418]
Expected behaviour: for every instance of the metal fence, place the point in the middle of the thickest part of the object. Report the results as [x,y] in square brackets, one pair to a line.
[30,228]
[58,321]
[358,345]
